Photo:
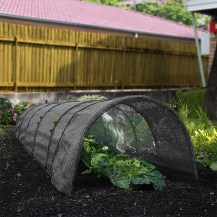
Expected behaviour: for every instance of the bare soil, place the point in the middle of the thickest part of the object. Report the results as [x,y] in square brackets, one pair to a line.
[25,190]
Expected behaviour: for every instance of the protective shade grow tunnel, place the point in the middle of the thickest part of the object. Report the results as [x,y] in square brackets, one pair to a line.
[136,125]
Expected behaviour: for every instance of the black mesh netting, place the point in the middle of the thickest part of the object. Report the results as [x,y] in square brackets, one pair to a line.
[135,125]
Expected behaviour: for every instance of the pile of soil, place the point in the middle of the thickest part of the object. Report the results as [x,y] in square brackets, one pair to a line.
[25,190]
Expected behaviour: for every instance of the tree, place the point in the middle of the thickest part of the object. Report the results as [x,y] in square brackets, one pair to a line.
[171,10]
[105,2]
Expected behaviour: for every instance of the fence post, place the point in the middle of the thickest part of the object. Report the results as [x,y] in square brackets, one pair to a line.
[123,62]
[75,66]
[15,74]
[162,72]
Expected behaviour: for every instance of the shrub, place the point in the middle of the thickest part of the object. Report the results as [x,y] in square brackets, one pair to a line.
[193,99]
[20,108]
[205,145]
[204,136]
[8,114]
[71,98]
[8,117]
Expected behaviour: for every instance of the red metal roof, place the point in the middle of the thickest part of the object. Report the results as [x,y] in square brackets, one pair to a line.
[75,12]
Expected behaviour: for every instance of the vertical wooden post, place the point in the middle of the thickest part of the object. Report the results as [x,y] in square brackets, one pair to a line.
[15,74]
[123,66]
[162,72]
[75,69]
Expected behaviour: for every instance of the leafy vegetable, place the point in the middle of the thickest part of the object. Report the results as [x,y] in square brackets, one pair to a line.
[123,171]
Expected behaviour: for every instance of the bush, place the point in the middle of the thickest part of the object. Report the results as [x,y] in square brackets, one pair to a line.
[204,136]
[205,145]
[193,99]
[9,114]
[19,109]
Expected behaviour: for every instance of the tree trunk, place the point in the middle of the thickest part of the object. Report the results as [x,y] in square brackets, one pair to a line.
[211,94]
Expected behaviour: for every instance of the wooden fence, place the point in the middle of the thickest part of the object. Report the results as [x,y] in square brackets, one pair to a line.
[34,58]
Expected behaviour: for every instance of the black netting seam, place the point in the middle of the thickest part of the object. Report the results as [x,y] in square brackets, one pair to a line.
[27,126]
[57,148]
[29,119]
[49,144]
[36,130]
[21,118]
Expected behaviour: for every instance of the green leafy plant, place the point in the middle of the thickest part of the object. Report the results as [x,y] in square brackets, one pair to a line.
[40,119]
[71,98]
[6,113]
[192,99]
[203,134]
[105,2]
[203,117]
[91,97]
[55,123]
[123,171]
[171,10]
[10,113]
[8,117]
[205,145]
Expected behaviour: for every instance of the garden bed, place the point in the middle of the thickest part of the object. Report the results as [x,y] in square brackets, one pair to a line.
[26,191]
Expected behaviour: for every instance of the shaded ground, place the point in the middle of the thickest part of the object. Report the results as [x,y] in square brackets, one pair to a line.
[26,191]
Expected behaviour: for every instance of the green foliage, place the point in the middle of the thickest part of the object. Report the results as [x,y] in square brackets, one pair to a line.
[9,114]
[192,99]
[205,145]
[204,136]
[123,171]
[171,10]
[6,117]
[203,117]
[6,113]
[20,108]
[86,98]
[105,2]
[5,104]
[55,123]
[90,148]
[71,98]
[91,97]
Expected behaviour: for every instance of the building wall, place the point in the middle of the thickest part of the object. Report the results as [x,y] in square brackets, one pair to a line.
[213,42]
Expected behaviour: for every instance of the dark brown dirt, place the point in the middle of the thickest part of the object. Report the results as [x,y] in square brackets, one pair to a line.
[25,190]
